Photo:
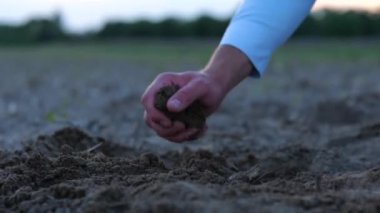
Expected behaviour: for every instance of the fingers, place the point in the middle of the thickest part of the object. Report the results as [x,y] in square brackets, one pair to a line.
[187,135]
[147,100]
[164,131]
[157,117]
[190,92]
[157,123]
[193,87]
[184,136]
[177,132]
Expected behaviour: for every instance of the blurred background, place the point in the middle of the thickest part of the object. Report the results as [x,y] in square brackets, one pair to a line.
[87,62]
[67,20]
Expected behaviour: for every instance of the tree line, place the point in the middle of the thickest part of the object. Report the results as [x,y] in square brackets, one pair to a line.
[320,24]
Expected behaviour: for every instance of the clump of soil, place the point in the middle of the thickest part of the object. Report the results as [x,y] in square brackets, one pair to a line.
[192,117]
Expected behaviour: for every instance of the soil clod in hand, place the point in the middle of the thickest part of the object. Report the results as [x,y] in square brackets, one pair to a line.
[192,117]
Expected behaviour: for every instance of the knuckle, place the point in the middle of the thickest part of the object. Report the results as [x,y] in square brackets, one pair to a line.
[201,80]
[156,118]
[160,76]
[165,75]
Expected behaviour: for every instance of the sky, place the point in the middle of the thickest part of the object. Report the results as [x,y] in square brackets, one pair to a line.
[84,15]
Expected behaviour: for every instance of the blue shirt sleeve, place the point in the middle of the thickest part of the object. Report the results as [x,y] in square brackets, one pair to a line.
[260,26]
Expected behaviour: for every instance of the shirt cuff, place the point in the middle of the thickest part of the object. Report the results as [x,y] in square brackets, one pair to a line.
[253,47]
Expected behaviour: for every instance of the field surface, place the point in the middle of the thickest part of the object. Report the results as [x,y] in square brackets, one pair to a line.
[304,138]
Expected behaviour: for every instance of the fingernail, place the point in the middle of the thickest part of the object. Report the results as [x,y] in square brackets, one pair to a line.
[175,104]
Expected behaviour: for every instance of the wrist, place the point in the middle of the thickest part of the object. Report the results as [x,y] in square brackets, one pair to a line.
[215,76]
[228,67]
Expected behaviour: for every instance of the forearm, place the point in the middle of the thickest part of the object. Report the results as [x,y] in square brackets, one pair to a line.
[228,67]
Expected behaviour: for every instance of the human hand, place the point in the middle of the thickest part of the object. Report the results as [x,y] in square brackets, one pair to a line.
[194,86]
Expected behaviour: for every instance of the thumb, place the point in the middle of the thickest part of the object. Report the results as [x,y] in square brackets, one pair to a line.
[185,96]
